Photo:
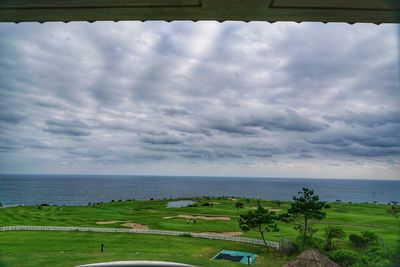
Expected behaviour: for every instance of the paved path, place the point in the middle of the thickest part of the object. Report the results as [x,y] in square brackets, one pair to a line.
[141,231]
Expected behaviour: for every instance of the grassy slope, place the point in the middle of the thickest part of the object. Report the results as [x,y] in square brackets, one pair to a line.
[19,249]
[351,217]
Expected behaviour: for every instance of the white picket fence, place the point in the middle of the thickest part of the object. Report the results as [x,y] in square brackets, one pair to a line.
[141,231]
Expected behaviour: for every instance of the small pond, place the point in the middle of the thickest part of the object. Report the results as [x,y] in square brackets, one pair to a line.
[179,203]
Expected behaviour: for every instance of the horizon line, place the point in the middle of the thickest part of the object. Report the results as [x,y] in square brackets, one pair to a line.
[209,176]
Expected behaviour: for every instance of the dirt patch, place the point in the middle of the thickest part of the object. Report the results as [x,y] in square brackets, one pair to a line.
[267,208]
[275,210]
[135,226]
[127,224]
[109,222]
[224,233]
[207,218]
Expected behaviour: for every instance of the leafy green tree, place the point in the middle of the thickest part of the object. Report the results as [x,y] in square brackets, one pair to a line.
[261,220]
[305,209]
[344,257]
[332,232]
[378,256]
[365,239]
[395,211]
[395,254]
[239,205]
[1,204]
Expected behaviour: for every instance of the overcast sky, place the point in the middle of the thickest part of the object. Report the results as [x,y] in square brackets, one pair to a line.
[205,98]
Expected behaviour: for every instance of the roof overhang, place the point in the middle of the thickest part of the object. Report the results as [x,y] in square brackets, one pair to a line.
[350,11]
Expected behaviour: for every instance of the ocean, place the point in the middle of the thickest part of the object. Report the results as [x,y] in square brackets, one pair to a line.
[82,189]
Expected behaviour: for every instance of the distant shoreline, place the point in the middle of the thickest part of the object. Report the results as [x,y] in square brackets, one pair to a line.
[197,176]
[82,189]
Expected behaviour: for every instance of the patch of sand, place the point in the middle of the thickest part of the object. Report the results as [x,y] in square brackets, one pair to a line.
[275,209]
[215,203]
[207,218]
[127,224]
[109,222]
[135,225]
[224,233]
[267,208]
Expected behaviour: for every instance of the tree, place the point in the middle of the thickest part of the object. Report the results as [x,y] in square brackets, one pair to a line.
[395,211]
[344,257]
[261,220]
[239,205]
[304,210]
[366,238]
[332,232]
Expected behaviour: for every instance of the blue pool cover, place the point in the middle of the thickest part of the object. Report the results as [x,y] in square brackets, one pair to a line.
[236,256]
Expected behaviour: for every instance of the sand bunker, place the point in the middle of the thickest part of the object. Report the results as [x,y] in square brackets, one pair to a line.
[267,208]
[109,222]
[127,224]
[224,233]
[207,218]
[275,209]
[135,225]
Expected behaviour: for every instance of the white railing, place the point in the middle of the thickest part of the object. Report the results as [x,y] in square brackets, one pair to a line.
[141,231]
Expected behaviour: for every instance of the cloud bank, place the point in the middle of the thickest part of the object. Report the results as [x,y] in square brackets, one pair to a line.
[205,98]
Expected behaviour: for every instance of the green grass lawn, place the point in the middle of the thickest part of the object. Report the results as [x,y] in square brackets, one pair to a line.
[353,218]
[22,249]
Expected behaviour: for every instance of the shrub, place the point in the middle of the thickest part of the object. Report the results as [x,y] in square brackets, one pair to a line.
[375,257]
[206,204]
[343,257]
[296,247]
[357,240]
[186,235]
[370,237]
[366,238]
[300,244]
[332,232]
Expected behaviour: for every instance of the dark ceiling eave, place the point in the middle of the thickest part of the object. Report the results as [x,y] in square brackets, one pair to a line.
[349,11]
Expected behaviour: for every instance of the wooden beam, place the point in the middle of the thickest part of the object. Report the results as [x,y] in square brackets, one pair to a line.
[351,11]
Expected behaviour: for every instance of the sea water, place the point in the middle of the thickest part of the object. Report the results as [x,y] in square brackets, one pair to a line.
[82,189]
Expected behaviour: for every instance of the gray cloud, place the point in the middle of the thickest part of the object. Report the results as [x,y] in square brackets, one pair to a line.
[289,121]
[11,118]
[366,119]
[255,99]
[172,111]
[163,140]
[67,127]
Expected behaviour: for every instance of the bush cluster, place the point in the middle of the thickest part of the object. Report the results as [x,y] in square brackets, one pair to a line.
[365,239]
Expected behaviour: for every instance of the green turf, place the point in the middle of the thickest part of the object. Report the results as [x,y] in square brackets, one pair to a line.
[353,218]
[20,249]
